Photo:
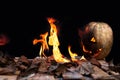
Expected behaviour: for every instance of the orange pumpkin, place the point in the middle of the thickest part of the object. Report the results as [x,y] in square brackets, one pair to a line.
[97,39]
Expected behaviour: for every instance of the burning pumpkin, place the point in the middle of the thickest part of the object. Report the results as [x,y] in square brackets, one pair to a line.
[97,39]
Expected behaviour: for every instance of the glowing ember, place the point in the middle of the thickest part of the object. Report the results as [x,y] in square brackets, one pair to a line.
[43,41]
[73,55]
[53,41]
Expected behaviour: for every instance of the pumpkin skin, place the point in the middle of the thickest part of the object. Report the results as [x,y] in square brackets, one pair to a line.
[97,39]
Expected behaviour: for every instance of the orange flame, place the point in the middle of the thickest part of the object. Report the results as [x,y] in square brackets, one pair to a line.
[72,55]
[53,41]
[93,39]
[44,46]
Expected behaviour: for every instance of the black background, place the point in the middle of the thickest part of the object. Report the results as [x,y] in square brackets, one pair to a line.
[22,25]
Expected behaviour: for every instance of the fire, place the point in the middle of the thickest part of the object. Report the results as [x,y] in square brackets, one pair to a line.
[83,58]
[93,39]
[72,55]
[53,41]
[43,41]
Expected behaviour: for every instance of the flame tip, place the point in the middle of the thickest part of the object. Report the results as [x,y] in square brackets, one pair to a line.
[51,20]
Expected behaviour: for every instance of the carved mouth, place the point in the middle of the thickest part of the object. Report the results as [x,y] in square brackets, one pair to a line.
[89,52]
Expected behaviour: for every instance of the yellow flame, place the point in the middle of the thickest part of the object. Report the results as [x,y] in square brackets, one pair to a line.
[44,46]
[72,55]
[82,58]
[53,41]
[93,39]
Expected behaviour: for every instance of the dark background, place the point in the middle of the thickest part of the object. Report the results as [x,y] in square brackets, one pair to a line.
[24,25]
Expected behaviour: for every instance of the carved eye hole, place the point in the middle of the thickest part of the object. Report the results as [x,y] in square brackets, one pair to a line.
[93,39]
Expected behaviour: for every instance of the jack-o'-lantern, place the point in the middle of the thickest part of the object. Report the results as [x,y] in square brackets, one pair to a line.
[97,39]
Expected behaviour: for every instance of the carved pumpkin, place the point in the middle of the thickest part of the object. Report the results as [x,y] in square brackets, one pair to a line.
[97,39]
